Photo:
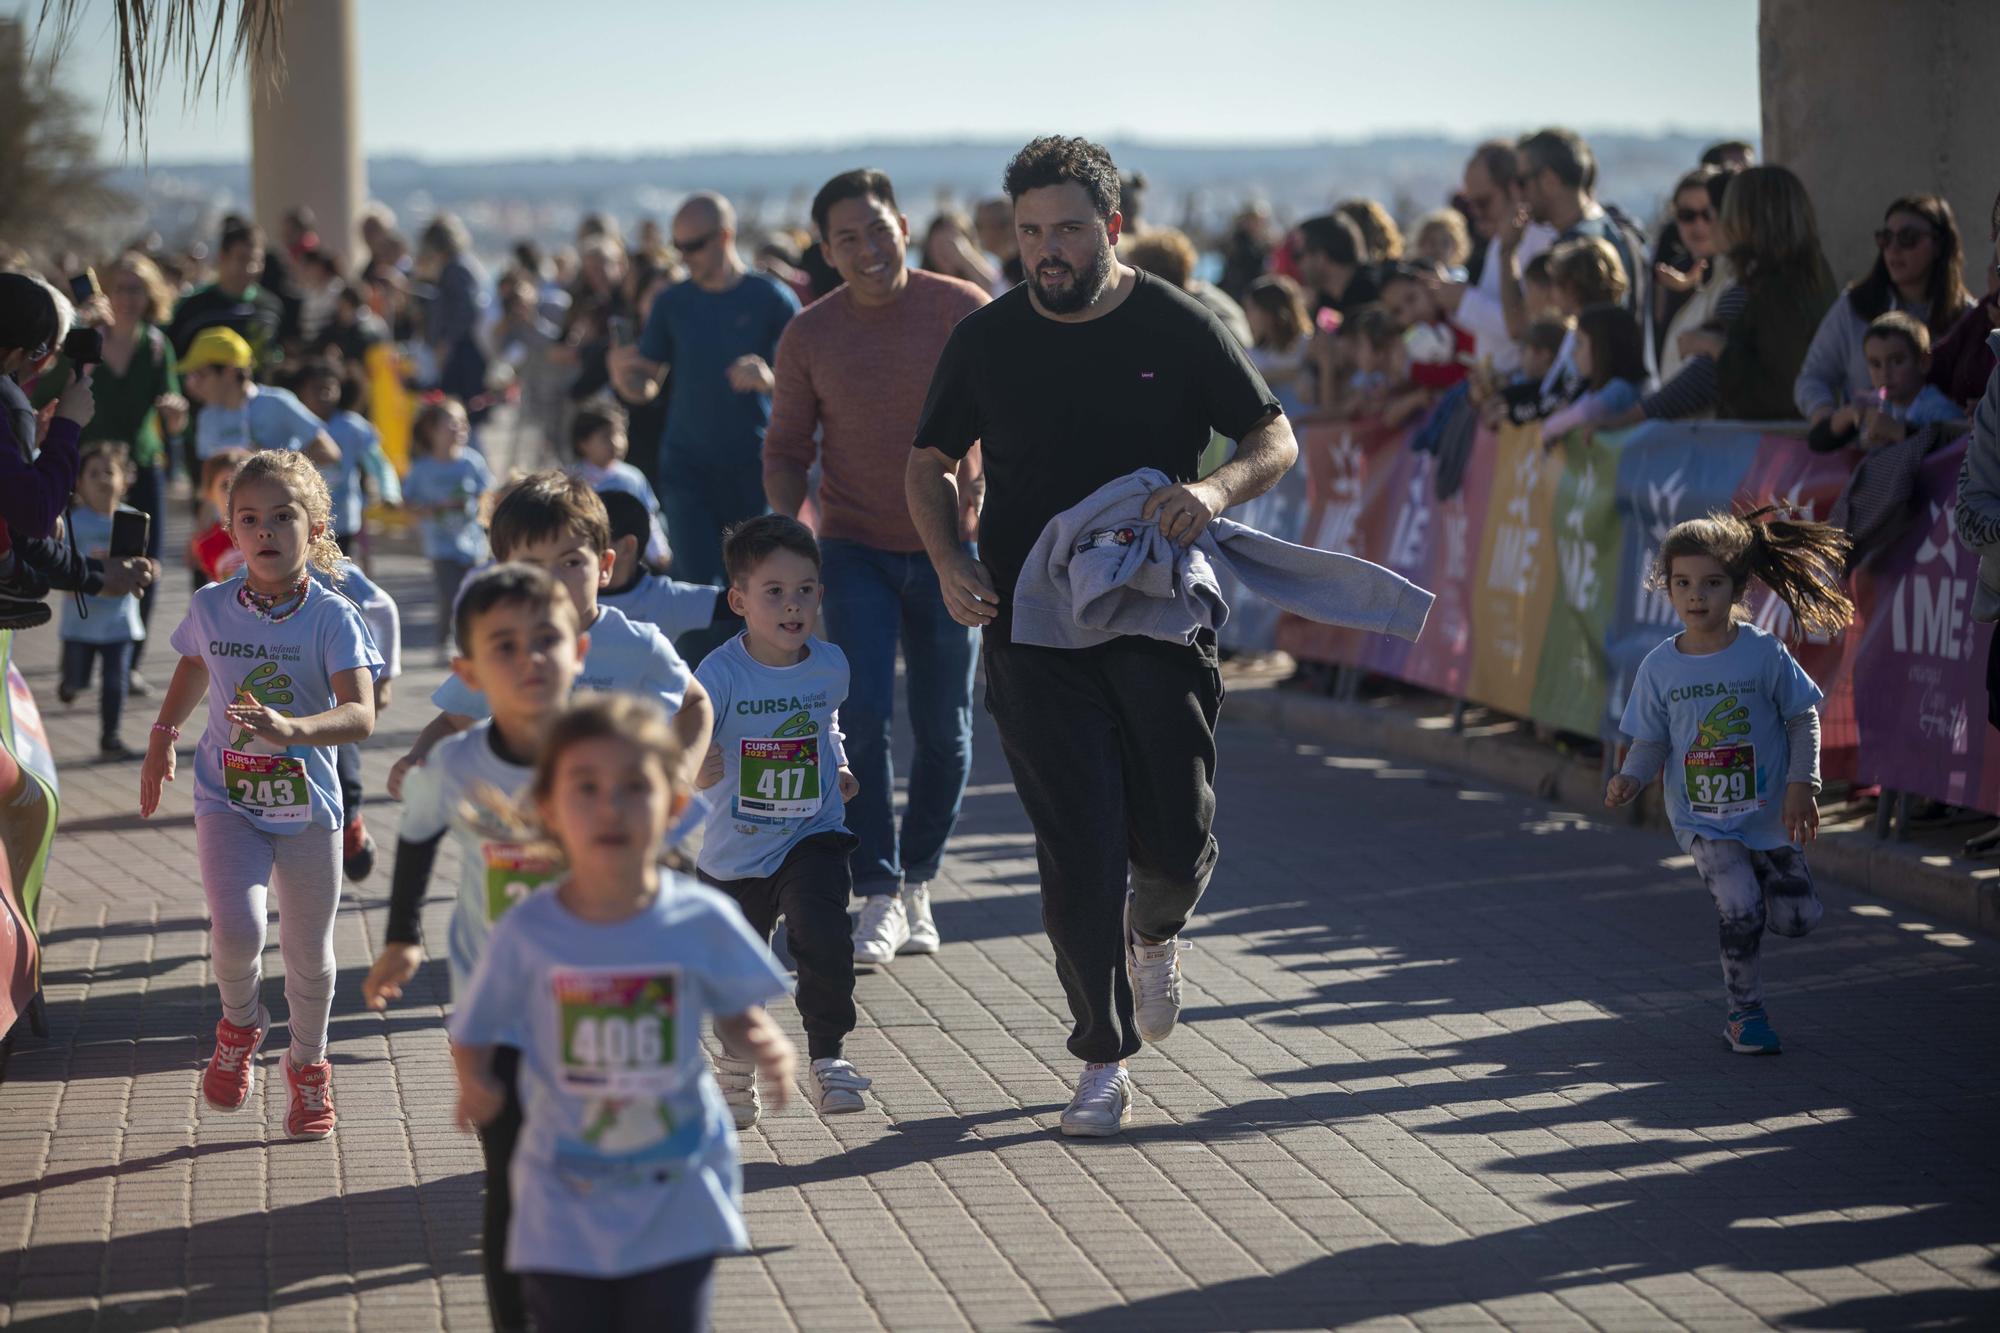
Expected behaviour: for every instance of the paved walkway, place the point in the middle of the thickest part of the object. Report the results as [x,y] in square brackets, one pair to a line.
[1450,1057]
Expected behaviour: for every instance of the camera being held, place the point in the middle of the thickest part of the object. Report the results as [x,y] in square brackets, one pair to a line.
[36,322]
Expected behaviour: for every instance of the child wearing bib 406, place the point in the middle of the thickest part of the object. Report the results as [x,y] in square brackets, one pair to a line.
[776,836]
[289,670]
[1732,717]
[627,1176]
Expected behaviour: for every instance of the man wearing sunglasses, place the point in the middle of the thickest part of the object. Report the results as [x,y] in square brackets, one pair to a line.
[716,336]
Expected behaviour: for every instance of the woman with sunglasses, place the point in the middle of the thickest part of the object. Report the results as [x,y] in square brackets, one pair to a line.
[1697,221]
[1962,361]
[1917,271]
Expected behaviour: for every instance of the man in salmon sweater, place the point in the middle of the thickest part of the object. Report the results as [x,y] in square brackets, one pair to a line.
[851,375]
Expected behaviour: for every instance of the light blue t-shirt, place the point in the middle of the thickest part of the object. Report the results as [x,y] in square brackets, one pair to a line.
[623,655]
[627,1159]
[107,619]
[711,428]
[779,732]
[378,614]
[669,605]
[288,666]
[1722,718]
[454,790]
[622,476]
[1931,406]
[360,454]
[453,533]
[269,419]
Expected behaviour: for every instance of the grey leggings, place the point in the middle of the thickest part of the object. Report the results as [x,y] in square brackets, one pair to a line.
[1754,891]
[240,863]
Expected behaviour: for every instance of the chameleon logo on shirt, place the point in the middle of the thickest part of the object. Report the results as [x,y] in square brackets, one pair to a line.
[1727,719]
[798,724]
[269,686]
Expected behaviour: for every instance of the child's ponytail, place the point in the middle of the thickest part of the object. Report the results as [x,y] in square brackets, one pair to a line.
[1803,562]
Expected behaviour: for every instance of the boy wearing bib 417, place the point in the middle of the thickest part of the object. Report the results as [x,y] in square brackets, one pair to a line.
[776,837]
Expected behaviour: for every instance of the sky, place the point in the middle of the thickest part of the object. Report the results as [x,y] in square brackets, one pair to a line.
[457,79]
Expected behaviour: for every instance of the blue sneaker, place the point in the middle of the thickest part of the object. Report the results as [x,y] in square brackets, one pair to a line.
[1748,1032]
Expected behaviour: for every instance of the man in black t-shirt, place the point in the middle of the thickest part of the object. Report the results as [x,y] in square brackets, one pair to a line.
[1087,372]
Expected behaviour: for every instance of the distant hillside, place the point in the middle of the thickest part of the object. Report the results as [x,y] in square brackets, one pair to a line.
[503,199]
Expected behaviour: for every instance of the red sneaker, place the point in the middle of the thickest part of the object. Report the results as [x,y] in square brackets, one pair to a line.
[232,1070]
[311,1113]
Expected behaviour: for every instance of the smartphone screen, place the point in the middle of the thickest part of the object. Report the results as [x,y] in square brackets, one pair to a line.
[83,286]
[129,530]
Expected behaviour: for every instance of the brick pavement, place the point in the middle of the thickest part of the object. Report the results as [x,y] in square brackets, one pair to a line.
[1450,1059]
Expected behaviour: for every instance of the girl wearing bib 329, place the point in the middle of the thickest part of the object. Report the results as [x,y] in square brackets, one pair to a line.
[288,668]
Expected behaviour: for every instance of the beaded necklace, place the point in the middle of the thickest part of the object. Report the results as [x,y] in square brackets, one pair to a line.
[265,608]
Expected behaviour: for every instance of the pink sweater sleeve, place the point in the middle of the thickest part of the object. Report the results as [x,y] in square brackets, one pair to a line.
[789,446]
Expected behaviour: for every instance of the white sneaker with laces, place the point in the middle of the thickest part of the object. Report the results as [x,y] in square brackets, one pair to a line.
[738,1081]
[917,912]
[837,1087]
[882,930]
[1102,1105]
[1155,970]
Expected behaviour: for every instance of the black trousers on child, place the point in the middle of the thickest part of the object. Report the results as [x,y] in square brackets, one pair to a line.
[496,1141]
[673,1299]
[810,890]
[1113,753]
[78,658]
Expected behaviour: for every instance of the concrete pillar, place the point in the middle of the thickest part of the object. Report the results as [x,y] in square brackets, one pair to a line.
[1870,99]
[305,127]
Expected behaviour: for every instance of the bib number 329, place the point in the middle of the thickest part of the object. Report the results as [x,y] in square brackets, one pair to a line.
[1722,780]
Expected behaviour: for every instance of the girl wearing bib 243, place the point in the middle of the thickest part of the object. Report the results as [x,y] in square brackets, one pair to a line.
[288,668]
[1733,718]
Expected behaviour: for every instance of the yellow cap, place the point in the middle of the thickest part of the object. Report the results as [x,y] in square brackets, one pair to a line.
[217,347]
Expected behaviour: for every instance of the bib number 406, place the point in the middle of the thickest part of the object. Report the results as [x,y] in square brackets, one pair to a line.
[616,1042]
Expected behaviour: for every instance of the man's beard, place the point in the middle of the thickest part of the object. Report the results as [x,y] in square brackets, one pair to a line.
[1084,288]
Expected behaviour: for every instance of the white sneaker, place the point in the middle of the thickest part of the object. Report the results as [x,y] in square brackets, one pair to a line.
[1102,1105]
[1155,970]
[837,1087]
[917,911]
[738,1081]
[883,929]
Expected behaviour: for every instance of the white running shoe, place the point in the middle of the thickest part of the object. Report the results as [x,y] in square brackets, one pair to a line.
[883,929]
[837,1086]
[738,1081]
[917,911]
[1102,1105]
[1155,970]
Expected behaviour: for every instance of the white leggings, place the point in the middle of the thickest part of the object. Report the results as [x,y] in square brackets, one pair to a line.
[239,864]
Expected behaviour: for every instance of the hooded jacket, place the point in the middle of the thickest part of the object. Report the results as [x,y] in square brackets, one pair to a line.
[1099,571]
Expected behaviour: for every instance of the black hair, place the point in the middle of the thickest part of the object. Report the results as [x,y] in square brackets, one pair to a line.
[1875,293]
[1717,154]
[240,231]
[1335,236]
[1055,160]
[1498,159]
[512,584]
[629,517]
[860,183]
[749,543]
[29,316]
[1617,344]
[590,419]
[1406,270]
[1565,153]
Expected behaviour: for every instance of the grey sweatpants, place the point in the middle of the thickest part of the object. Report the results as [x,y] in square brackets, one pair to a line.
[1755,891]
[240,864]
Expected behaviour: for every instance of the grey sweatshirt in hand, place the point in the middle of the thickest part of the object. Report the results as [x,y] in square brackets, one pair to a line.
[1100,571]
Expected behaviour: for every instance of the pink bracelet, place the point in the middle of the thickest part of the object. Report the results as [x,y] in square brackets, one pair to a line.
[173,733]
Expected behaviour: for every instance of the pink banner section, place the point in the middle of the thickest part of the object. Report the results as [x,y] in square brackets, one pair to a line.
[1519,562]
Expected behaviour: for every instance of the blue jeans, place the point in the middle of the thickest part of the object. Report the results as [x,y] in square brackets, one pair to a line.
[698,506]
[875,599]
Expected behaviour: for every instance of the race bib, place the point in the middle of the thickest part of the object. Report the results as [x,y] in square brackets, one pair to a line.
[1722,780]
[512,874]
[778,777]
[271,787]
[616,1030]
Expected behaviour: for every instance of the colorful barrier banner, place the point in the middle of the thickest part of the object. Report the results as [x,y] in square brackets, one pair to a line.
[27,827]
[1541,564]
